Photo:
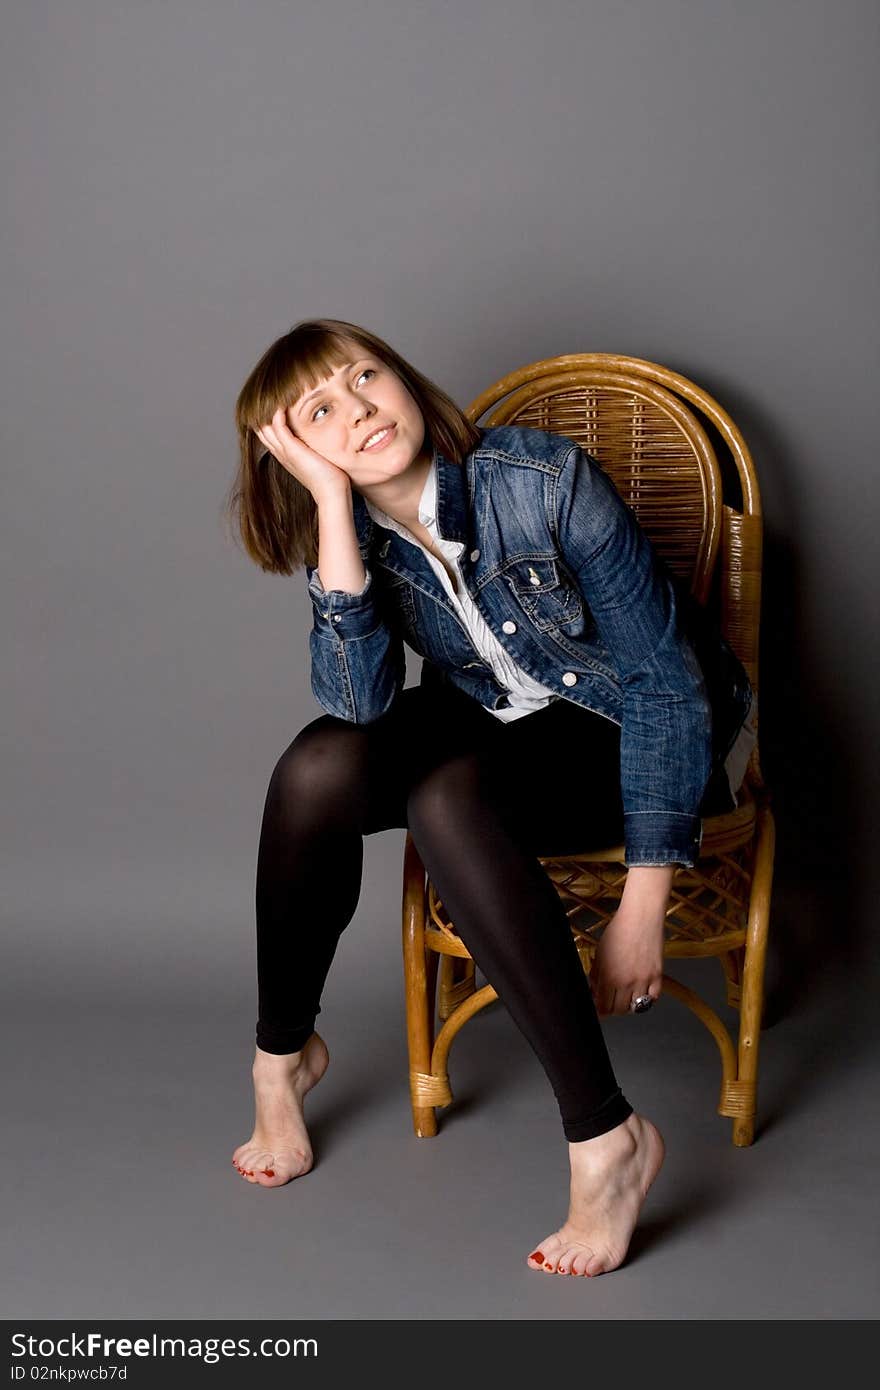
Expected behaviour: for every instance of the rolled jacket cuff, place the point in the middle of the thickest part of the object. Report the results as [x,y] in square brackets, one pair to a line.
[662,837]
[338,613]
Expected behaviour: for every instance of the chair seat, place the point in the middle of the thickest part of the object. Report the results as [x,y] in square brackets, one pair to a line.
[708,905]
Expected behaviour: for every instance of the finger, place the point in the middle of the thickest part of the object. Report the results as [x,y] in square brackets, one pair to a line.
[295,449]
[595,988]
[282,427]
[637,992]
[294,443]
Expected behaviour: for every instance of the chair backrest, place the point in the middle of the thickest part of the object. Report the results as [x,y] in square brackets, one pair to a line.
[649,429]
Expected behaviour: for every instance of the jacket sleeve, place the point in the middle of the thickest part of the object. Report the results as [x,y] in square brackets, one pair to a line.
[357,662]
[666,728]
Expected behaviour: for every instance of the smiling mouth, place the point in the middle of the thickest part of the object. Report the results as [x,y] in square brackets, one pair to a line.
[377,439]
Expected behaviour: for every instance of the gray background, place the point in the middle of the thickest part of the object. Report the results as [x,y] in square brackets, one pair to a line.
[483,185]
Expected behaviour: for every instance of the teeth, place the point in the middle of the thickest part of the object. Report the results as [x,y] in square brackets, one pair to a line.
[374,438]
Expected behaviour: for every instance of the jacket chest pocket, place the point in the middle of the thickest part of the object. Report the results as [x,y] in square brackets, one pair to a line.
[548,597]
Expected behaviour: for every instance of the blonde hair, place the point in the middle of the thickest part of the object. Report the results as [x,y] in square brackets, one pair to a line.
[275,514]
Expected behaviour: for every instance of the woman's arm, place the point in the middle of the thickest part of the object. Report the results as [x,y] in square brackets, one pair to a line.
[340,565]
[357,663]
[666,727]
[629,956]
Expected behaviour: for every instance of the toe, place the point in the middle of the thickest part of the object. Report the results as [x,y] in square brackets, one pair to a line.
[554,1248]
[546,1254]
[273,1179]
[580,1260]
[245,1164]
[264,1169]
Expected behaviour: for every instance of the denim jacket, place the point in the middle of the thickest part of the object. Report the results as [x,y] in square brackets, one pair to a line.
[570,584]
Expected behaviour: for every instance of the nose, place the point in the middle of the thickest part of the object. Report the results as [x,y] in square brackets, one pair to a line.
[360,408]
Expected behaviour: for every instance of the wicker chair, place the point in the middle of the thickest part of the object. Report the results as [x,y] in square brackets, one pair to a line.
[664,442]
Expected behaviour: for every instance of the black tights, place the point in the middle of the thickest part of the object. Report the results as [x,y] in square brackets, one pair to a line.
[482,799]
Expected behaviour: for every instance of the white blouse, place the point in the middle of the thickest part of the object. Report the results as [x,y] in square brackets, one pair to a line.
[524,693]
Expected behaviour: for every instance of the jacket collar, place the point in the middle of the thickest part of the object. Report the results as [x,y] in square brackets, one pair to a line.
[451,503]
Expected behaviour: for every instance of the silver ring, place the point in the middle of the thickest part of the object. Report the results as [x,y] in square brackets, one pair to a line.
[641,1003]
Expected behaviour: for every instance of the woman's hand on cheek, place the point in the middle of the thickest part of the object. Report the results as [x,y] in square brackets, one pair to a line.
[629,957]
[302,462]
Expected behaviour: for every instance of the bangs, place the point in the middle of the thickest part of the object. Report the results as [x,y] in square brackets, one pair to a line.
[315,361]
[292,367]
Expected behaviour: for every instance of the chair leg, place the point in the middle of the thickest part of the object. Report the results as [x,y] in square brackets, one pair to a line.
[419,977]
[753,980]
[432,960]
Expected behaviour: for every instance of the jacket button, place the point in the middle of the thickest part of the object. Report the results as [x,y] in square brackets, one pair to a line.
[336,617]
[569,678]
[533,578]
[508,626]
[475,554]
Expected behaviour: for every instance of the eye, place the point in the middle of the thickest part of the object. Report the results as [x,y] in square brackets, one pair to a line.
[367,371]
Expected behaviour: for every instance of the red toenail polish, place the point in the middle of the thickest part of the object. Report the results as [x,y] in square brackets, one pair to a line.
[537,1255]
[269,1172]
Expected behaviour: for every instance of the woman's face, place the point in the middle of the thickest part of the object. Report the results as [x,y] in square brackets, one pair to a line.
[343,419]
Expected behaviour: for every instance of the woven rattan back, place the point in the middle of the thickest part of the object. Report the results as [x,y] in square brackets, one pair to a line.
[647,427]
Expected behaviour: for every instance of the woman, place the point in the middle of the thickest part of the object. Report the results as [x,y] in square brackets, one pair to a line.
[568,698]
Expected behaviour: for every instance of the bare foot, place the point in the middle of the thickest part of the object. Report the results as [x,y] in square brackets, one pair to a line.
[279,1148]
[610,1177]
